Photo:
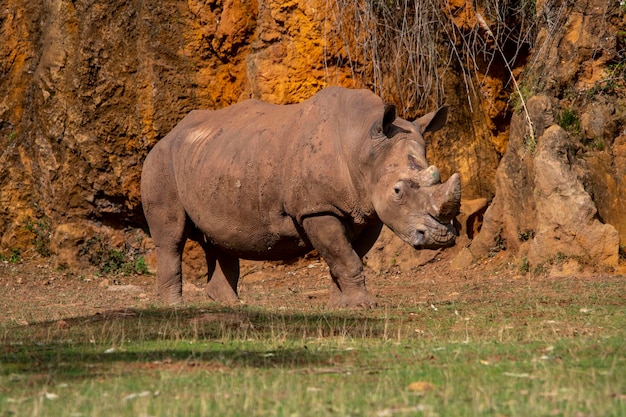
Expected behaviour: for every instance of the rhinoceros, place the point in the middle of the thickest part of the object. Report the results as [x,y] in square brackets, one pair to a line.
[261,181]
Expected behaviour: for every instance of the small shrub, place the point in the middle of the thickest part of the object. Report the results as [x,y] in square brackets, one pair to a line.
[560,258]
[598,145]
[520,97]
[141,267]
[526,235]
[569,120]
[14,256]
[111,260]
[499,244]
[530,143]
[394,260]
[114,261]
[40,228]
[540,269]
[524,266]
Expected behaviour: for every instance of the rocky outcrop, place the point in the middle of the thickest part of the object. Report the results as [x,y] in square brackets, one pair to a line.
[558,185]
[542,210]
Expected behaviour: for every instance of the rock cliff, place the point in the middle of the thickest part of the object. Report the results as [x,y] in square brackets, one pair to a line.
[87,87]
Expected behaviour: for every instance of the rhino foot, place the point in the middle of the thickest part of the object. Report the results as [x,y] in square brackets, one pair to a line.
[352,299]
[221,292]
[171,296]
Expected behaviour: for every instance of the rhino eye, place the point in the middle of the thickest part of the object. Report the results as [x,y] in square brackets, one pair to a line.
[398,191]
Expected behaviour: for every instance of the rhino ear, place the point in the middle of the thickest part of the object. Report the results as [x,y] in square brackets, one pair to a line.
[432,121]
[389,116]
[383,126]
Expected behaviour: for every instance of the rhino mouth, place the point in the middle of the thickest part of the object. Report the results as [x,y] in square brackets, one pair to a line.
[433,234]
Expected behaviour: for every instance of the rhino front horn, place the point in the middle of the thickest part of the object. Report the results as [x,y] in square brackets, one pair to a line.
[446,200]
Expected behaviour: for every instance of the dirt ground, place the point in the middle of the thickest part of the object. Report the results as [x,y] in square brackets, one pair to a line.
[34,291]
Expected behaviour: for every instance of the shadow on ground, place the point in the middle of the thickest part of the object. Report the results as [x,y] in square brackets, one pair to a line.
[213,338]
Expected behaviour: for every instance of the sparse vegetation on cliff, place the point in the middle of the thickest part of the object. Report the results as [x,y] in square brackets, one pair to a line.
[396,45]
[41,229]
[109,259]
[14,256]
[568,119]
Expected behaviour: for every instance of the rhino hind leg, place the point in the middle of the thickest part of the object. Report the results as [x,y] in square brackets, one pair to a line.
[223,275]
[169,276]
[169,238]
[328,235]
[168,225]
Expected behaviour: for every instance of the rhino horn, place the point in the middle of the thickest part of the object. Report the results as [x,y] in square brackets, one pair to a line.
[446,199]
[428,177]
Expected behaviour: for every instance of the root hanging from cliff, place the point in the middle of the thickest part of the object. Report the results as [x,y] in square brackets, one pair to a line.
[404,47]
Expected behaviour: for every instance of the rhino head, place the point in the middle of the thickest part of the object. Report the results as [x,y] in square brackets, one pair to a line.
[407,193]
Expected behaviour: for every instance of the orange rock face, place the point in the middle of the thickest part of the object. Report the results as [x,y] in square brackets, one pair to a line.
[88,88]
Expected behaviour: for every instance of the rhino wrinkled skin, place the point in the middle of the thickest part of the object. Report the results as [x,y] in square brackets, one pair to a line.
[267,182]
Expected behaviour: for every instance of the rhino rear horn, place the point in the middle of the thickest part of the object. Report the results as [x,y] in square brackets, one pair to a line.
[433,121]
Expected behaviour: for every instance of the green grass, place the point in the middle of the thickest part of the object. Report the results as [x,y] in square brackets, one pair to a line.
[540,353]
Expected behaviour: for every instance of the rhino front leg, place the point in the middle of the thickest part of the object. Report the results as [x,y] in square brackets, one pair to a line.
[328,235]
[223,276]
